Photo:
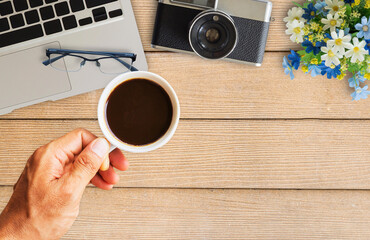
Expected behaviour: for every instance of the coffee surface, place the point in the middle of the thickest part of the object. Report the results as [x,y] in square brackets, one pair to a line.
[139,112]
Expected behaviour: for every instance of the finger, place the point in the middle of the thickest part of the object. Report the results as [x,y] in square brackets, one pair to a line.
[88,162]
[109,176]
[118,160]
[20,177]
[72,143]
[53,157]
[99,182]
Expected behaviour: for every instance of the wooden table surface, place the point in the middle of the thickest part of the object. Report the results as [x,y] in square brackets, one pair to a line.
[255,156]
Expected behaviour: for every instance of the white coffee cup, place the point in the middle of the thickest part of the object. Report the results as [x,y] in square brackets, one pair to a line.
[109,135]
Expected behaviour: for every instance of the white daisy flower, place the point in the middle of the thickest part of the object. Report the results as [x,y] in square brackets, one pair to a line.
[331,22]
[333,6]
[294,14]
[340,42]
[295,29]
[331,56]
[356,51]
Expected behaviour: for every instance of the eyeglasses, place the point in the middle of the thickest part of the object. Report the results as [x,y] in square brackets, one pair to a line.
[107,62]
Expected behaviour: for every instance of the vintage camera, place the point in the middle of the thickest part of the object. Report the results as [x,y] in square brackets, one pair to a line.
[214,29]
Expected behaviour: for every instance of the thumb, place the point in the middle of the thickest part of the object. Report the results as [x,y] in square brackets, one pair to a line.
[88,162]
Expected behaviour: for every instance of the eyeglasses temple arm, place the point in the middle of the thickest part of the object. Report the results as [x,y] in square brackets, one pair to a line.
[50,61]
[132,68]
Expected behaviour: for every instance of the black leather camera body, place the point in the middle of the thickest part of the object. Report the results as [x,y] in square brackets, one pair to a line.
[233,29]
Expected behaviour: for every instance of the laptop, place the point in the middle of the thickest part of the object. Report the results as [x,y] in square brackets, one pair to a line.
[29,27]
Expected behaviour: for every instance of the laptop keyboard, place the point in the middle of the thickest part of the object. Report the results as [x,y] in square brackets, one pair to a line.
[24,20]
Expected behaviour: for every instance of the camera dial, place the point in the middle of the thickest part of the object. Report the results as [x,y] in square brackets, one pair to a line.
[213,34]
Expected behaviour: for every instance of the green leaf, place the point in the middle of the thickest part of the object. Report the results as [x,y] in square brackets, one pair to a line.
[297,4]
[301,52]
[308,57]
[354,67]
[348,9]
[306,4]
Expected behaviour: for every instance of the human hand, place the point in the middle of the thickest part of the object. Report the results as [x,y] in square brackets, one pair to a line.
[46,198]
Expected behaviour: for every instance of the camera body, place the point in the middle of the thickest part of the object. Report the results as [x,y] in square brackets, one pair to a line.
[233,29]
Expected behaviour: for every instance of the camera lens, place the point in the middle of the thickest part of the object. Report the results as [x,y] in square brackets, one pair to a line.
[213,34]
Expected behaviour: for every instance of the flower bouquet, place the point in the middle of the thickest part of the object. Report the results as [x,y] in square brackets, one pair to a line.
[335,36]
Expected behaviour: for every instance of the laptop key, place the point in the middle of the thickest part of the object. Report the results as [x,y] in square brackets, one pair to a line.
[4,25]
[35,3]
[6,8]
[21,35]
[20,5]
[61,8]
[95,3]
[47,13]
[32,17]
[52,27]
[69,22]
[85,21]
[76,5]
[17,21]
[50,1]
[115,13]
[99,14]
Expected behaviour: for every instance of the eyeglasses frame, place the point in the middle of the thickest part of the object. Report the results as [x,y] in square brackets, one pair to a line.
[67,52]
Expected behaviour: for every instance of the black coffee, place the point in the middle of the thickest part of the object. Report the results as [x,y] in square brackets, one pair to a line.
[139,112]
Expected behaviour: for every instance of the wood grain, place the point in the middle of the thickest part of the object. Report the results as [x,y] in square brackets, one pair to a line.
[228,90]
[305,154]
[219,214]
[277,39]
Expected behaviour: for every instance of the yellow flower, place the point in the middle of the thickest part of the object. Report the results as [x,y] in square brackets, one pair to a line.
[310,38]
[341,76]
[306,29]
[367,5]
[342,12]
[343,24]
[357,2]
[319,37]
[314,61]
[314,26]
[367,76]
[355,14]
[304,68]
[343,64]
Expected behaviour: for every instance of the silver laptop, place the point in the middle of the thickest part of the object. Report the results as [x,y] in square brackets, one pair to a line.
[29,27]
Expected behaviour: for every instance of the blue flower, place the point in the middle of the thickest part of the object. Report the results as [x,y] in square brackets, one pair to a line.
[288,69]
[315,70]
[346,31]
[331,72]
[327,37]
[310,46]
[310,12]
[295,59]
[349,1]
[363,28]
[367,46]
[360,93]
[320,6]
[355,80]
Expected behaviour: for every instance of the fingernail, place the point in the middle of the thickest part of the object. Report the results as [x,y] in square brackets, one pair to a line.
[105,164]
[100,147]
